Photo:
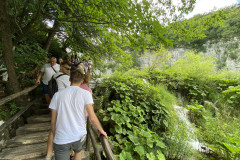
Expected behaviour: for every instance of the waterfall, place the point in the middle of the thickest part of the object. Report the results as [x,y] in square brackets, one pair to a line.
[193,141]
[213,105]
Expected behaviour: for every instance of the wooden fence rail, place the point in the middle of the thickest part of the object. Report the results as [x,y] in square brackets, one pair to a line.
[8,123]
[15,95]
[107,148]
[16,116]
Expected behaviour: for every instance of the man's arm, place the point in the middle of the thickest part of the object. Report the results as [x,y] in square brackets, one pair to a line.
[53,121]
[93,118]
[39,77]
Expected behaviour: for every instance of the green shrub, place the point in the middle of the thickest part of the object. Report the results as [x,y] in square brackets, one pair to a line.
[222,136]
[232,96]
[137,118]
[8,110]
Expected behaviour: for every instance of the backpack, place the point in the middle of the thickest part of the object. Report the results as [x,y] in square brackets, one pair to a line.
[52,85]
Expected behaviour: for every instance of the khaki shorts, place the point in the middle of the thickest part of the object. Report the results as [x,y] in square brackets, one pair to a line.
[62,151]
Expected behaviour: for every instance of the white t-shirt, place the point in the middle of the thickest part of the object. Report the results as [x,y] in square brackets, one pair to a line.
[62,81]
[48,72]
[90,63]
[70,104]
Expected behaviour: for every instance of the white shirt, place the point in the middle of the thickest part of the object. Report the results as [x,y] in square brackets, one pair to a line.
[90,63]
[48,72]
[70,104]
[62,81]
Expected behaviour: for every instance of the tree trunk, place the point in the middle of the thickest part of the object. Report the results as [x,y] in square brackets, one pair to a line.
[51,35]
[6,36]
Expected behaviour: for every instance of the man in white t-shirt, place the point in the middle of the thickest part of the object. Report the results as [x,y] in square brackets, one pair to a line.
[68,119]
[46,72]
[62,82]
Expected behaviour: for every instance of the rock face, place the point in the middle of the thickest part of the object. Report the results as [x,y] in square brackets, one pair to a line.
[227,53]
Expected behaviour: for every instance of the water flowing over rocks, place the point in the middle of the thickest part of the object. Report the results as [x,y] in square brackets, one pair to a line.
[190,129]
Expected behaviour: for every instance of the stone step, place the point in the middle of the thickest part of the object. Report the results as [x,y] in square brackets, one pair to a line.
[35,152]
[42,111]
[41,105]
[35,127]
[33,138]
[24,152]
[39,118]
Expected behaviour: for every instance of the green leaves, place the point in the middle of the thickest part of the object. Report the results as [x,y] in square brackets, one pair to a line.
[131,104]
[232,95]
[140,150]
[134,139]
[126,155]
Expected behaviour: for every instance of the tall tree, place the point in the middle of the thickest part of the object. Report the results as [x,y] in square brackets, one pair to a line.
[6,36]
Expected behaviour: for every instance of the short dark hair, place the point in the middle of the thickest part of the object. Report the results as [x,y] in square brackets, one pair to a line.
[50,55]
[76,76]
[65,62]
[66,57]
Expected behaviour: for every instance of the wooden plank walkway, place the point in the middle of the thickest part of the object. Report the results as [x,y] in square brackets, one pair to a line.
[30,141]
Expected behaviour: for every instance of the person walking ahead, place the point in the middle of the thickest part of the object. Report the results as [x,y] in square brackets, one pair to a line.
[62,83]
[47,71]
[68,120]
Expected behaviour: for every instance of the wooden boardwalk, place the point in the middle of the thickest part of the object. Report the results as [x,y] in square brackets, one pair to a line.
[30,141]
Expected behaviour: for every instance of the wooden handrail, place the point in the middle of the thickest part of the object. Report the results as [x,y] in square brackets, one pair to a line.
[104,142]
[15,117]
[15,95]
[107,148]
[88,141]
[94,143]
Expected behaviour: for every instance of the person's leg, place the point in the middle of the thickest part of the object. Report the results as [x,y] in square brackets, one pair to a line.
[77,147]
[78,156]
[50,145]
[48,99]
[61,152]
[45,92]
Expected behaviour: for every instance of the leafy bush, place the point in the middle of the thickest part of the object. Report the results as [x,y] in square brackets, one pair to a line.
[222,136]
[137,118]
[195,77]
[8,110]
[194,65]
[232,96]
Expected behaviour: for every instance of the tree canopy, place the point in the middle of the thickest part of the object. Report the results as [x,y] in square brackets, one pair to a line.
[97,28]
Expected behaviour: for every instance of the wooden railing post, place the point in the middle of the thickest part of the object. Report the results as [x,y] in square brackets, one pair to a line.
[88,141]
[94,143]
